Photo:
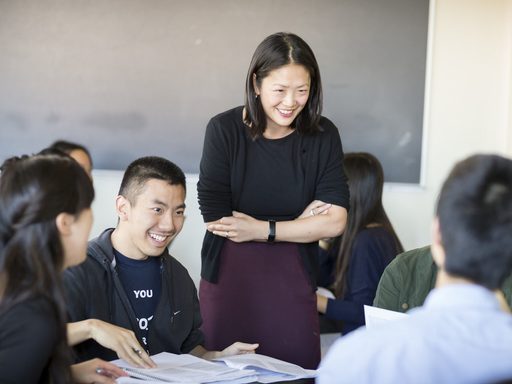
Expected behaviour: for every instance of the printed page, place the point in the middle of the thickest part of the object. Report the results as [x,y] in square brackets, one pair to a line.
[183,369]
[265,365]
[374,316]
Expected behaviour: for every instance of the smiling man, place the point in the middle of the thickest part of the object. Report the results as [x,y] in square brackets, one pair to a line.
[131,297]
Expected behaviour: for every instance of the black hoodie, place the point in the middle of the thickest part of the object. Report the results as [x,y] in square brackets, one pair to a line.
[94,291]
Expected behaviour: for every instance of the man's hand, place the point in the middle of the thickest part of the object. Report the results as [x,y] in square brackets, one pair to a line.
[236,348]
[120,340]
[123,342]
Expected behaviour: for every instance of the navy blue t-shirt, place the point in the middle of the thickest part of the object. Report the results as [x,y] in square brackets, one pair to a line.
[142,282]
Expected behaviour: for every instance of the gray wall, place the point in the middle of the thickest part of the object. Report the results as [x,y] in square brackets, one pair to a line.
[130,78]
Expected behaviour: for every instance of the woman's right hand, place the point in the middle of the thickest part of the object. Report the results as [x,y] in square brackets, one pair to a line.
[316,207]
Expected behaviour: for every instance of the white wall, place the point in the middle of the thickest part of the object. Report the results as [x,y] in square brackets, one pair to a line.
[186,247]
[468,102]
[468,109]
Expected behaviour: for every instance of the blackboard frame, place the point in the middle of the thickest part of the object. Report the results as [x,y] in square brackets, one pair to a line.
[132,78]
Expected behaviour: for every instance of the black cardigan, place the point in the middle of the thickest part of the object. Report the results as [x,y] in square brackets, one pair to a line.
[221,175]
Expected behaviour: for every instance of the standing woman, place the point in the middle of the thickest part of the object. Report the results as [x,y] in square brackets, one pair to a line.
[367,246]
[271,184]
[45,219]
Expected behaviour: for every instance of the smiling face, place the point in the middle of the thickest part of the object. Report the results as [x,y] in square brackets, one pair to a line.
[283,94]
[155,218]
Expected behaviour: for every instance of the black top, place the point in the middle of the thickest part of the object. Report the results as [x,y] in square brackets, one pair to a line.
[267,179]
[270,167]
[29,333]
[373,249]
[142,284]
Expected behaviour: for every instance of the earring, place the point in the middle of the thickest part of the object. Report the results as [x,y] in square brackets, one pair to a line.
[257,96]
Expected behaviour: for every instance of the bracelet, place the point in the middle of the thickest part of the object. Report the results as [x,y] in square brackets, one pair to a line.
[271,231]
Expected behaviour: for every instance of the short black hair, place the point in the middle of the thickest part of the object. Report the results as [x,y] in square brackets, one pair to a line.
[475,217]
[276,51]
[147,168]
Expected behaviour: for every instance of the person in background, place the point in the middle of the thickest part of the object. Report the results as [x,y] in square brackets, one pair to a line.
[410,277]
[76,151]
[271,184]
[367,246]
[461,334]
[45,219]
[130,297]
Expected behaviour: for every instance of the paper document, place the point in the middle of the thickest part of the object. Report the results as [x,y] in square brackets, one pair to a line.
[374,316]
[173,368]
[267,368]
[236,369]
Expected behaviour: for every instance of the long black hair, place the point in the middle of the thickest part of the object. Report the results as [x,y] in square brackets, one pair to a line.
[365,182]
[33,192]
[276,51]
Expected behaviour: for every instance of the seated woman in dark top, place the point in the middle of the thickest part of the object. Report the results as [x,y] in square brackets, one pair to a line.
[45,220]
[367,246]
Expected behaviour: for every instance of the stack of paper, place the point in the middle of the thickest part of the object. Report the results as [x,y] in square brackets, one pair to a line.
[268,369]
[237,369]
[173,368]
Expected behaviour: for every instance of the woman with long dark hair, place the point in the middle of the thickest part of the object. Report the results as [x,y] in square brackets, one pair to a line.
[367,246]
[45,220]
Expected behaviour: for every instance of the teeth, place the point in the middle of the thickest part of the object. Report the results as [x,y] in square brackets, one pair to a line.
[157,237]
[285,112]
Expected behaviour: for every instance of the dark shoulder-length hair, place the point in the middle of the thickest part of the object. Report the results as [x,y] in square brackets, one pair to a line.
[274,52]
[68,147]
[33,192]
[365,182]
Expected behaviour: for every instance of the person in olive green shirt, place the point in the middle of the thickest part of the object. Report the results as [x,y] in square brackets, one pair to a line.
[409,278]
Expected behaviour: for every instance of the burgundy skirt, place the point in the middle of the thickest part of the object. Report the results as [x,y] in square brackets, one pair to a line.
[263,295]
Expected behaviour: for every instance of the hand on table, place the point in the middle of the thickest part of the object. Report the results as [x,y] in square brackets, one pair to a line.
[96,371]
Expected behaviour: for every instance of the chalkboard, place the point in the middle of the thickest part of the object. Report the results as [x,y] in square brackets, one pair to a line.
[129,78]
